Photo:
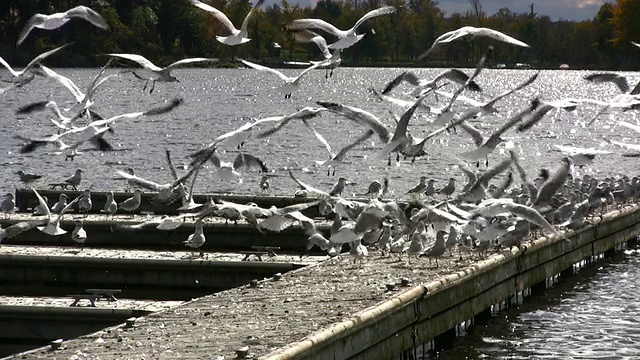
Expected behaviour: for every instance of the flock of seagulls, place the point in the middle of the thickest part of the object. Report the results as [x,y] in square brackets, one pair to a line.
[499,204]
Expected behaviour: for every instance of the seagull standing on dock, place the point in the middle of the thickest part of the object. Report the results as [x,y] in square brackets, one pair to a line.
[74,180]
[197,239]
[338,188]
[79,235]
[85,204]
[133,203]
[61,204]
[8,204]
[54,21]
[28,179]
[110,206]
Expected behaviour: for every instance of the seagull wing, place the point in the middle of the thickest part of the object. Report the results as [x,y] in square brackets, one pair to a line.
[316,24]
[359,116]
[408,76]
[318,136]
[147,184]
[64,81]
[631,126]
[217,14]
[476,135]
[305,36]
[138,59]
[43,204]
[267,69]
[42,56]
[528,82]
[340,155]
[186,62]
[88,14]
[245,22]
[309,188]
[619,81]
[374,13]
[35,20]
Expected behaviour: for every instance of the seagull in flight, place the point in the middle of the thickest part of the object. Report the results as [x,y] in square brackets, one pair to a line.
[470,31]
[153,73]
[347,38]
[20,76]
[84,100]
[54,21]
[290,83]
[237,37]
[331,61]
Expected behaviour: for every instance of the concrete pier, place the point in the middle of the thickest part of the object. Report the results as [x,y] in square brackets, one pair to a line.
[341,310]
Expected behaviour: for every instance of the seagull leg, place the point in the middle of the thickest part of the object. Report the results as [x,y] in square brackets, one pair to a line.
[334,172]
[153,86]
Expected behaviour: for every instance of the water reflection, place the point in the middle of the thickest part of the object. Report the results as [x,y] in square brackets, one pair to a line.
[591,315]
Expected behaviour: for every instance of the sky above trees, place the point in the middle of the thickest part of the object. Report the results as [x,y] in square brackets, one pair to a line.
[555,9]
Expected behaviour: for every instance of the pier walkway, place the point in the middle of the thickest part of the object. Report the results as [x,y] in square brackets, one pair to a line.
[340,310]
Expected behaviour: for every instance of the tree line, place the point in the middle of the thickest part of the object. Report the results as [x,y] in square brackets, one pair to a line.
[166,30]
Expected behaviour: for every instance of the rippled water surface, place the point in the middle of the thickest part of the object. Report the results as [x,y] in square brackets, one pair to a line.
[592,315]
[219,100]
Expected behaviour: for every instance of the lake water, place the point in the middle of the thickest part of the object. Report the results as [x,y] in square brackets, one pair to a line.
[595,316]
[220,100]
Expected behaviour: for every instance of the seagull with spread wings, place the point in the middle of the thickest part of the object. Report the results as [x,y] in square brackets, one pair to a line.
[471,32]
[152,73]
[348,37]
[237,37]
[54,21]
[291,83]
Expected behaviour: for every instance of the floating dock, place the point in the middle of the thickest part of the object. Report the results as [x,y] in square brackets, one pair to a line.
[341,310]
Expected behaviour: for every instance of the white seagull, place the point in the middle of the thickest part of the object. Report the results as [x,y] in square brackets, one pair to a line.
[470,31]
[152,72]
[237,37]
[290,83]
[54,21]
[347,38]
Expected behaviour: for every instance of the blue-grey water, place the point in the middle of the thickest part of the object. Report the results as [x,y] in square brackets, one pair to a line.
[593,315]
[596,317]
